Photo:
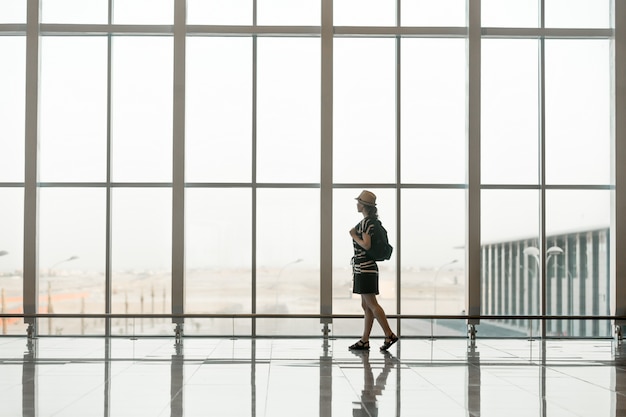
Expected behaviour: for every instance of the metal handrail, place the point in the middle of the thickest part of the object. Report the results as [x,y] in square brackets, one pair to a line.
[304,316]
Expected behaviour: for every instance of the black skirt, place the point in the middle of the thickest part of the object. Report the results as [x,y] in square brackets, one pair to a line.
[366,283]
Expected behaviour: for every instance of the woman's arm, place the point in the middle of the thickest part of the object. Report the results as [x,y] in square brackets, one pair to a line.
[366,241]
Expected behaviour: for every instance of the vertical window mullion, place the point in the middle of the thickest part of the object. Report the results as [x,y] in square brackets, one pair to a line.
[617,272]
[473,151]
[31,191]
[542,174]
[326,163]
[178,174]
[107,267]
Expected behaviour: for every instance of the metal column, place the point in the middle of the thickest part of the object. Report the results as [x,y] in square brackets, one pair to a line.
[31,192]
[178,175]
[326,174]
[473,174]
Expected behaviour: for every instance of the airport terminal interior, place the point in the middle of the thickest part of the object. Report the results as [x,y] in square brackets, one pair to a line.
[180,180]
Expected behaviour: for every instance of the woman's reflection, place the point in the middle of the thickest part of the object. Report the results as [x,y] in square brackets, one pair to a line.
[372,388]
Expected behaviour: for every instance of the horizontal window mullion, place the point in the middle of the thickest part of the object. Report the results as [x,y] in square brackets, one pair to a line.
[69,29]
[547,33]
[254,30]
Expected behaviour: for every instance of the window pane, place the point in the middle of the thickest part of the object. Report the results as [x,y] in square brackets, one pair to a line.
[578,113]
[74,11]
[142,108]
[345,217]
[509,114]
[288,126]
[578,13]
[139,12]
[568,211]
[577,225]
[141,256]
[289,12]
[11,259]
[364,12]
[433,13]
[13,11]
[509,13]
[72,257]
[219,12]
[287,261]
[510,267]
[364,110]
[218,141]
[12,85]
[433,238]
[218,253]
[73,109]
[433,111]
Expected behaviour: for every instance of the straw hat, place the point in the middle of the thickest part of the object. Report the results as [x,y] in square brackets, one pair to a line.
[367,198]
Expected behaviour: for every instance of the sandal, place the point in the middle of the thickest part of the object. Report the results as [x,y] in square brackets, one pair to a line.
[389,340]
[360,345]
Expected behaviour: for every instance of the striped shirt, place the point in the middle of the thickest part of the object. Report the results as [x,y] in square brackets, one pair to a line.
[361,262]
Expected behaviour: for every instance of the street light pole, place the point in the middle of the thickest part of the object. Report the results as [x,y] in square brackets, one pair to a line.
[534,252]
[71,258]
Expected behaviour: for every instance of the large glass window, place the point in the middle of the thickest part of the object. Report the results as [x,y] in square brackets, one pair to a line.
[218,134]
[219,12]
[256,136]
[74,11]
[12,86]
[578,13]
[578,260]
[141,91]
[11,259]
[578,112]
[143,12]
[509,112]
[364,12]
[72,248]
[13,11]
[141,256]
[363,110]
[288,12]
[433,13]
[288,108]
[510,264]
[218,256]
[510,13]
[433,111]
[73,109]
[288,275]
[433,255]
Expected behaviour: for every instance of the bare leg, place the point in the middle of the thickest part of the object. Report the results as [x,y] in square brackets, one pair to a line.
[368,320]
[370,303]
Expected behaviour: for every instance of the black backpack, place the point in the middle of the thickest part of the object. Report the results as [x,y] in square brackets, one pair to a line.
[381,249]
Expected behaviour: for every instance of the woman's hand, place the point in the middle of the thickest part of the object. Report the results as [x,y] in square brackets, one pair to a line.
[365,242]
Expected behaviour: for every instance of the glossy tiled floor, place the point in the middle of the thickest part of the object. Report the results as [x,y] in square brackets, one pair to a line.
[306,377]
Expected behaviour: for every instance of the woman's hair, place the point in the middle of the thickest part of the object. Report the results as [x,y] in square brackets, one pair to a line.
[372,211]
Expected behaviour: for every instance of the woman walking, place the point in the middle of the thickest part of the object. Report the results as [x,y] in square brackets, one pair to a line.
[365,273]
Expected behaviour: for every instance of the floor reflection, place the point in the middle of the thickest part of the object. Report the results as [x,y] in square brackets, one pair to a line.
[372,387]
[310,377]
